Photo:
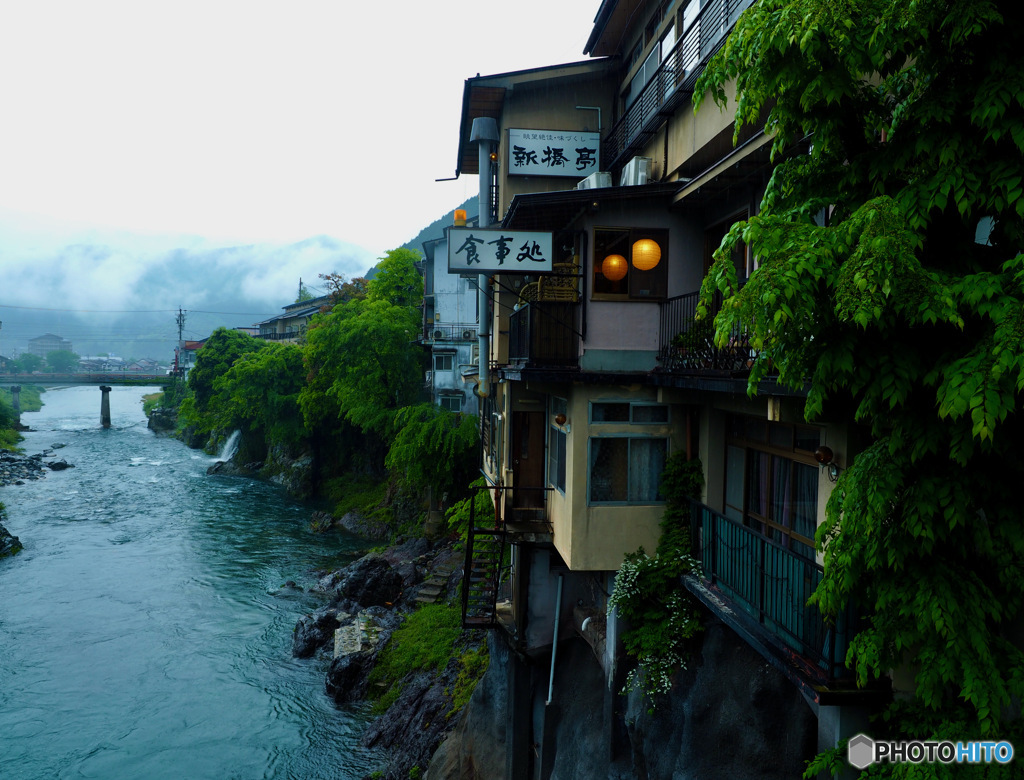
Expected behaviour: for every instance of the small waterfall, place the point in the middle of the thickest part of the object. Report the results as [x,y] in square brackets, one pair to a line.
[230,447]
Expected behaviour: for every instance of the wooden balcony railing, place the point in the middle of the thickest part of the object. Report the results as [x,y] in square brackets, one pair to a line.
[686,345]
[771,584]
[673,81]
[543,334]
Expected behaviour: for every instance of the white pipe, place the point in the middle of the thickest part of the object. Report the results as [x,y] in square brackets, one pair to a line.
[485,134]
[554,642]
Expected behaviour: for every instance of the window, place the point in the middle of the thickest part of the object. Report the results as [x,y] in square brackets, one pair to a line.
[626,469]
[444,362]
[453,403]
[630,264]
[624,412]
[771,480]
[557,446]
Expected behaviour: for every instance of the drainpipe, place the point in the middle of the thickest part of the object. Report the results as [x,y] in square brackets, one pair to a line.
[485,134]
[554,642]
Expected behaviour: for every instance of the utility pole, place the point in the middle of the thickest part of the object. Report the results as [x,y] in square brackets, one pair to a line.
[180,319]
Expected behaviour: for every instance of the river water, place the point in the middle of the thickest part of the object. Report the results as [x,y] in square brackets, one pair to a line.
[144,632]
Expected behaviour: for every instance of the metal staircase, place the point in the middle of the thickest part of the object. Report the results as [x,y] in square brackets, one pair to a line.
[484,550]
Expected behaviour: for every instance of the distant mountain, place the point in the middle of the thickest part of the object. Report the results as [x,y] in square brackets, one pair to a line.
[122,294]
[436,228]
[124,300]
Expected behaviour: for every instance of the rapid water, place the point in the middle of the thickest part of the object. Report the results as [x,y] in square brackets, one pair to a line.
[144,632]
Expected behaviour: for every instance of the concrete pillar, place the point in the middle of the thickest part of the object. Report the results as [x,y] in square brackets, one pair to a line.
[105,406]
[16,403]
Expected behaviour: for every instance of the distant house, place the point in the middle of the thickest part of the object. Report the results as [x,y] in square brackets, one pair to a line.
[449,330]
[47,343]
[291,324]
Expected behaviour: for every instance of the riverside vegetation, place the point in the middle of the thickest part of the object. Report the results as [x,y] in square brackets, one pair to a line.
[341,416]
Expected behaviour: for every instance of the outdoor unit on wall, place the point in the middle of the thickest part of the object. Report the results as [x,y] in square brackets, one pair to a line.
[468,334]
[637,171]
[438,335]
[595,181]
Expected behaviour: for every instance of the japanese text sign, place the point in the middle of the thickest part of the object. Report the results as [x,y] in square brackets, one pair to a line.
[553,153]
[479,250]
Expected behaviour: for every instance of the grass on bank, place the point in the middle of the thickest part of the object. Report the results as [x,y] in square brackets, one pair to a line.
[427,640]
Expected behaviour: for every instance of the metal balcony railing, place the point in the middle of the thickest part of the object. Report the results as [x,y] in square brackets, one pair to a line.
[673,81]
[543,334]
[771,583]
[686,345]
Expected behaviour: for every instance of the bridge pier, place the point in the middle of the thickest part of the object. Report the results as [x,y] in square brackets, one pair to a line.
[16,403]
[105,406]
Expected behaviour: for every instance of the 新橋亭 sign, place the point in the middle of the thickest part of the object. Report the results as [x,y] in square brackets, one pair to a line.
[486,250]
[553,153]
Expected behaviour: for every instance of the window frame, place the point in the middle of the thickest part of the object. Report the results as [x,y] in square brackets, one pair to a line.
[630,437]
[449,356]
[620,240]
[767,442]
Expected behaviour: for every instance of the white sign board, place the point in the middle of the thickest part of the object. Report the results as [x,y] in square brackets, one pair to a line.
[486,250]
[553,153]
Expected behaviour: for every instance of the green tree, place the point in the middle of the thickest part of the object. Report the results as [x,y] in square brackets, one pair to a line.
[905,310]
[362,357]
[434,448]
[213,360]
[28,363]
[260,392]
[62,361]
[397,280]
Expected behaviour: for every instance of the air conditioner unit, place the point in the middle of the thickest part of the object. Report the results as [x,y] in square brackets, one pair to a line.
[468,334]
[595,181]
[438,335]
[637,171]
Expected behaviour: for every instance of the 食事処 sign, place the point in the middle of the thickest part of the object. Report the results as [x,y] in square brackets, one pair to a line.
[486,250]
[553,153]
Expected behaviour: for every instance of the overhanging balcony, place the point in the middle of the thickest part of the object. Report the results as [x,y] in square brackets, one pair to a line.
[673,82]
[760,588]
[543,334]
[686,345]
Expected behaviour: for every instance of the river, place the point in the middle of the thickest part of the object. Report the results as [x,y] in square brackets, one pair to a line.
[144,632]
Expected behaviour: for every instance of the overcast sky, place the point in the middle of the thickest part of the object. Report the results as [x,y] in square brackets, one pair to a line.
[240,121]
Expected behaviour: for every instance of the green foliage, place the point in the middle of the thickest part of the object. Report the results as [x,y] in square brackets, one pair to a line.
[213,360]
[649,594]
[62,361]
[472,666]
[434,448]
[260,393]
[27,363]
[397,281]
[457,516]
[364,362]
[426,641]
[905,306]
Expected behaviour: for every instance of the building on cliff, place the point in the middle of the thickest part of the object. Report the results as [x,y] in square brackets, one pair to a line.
[449,334]
[608,195]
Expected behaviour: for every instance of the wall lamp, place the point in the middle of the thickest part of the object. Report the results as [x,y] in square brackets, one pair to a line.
[826,458]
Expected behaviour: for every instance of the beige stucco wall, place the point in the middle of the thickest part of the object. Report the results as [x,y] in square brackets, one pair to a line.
[548,106]
[596,538]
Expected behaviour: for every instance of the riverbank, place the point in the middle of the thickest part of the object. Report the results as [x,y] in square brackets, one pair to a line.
[391,625]
[16,468]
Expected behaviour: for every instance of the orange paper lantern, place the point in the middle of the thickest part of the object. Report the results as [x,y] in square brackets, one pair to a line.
[614,267]
[646,254]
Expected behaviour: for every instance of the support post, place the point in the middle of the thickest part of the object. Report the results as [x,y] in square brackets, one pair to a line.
[105,406]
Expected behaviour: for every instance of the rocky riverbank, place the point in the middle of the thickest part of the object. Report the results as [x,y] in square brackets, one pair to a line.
[365,603]
[15,468]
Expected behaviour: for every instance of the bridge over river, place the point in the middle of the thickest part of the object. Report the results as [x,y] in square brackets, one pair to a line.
[103,378]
